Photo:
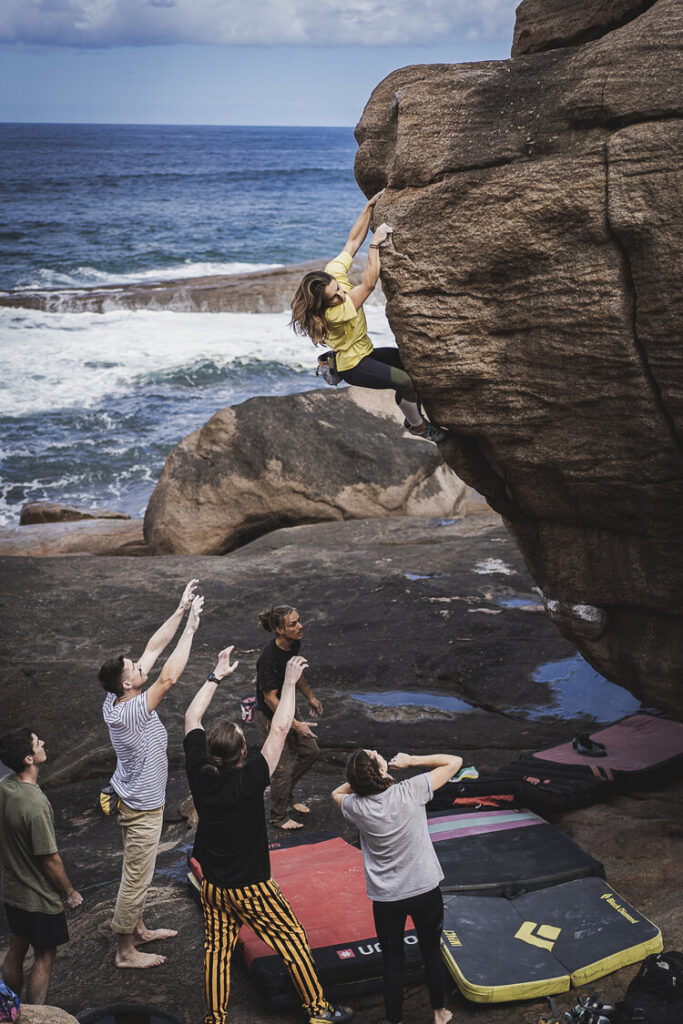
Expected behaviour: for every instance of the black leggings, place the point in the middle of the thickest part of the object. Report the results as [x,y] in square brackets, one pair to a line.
[426,911]
[383,369]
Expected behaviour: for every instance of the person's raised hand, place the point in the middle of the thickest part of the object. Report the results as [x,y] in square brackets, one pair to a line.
[401,761]
[188,595]
[195,613]
[223,667]
[381,234]
[295,667]
[373,199]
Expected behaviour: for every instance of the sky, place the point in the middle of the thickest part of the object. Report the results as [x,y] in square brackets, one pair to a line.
[263,62]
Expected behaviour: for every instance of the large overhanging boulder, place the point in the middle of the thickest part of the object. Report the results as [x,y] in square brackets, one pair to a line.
[551,24]
[307,458]
[533,285]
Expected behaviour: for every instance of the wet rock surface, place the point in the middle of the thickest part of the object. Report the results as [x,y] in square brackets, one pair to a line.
[428,605]
[531,287]
[312,457]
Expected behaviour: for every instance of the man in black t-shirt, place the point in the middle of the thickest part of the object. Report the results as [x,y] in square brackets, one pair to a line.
[300,750]
[231,846]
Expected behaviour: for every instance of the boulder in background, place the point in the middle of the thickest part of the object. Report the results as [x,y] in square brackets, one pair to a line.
[275,462]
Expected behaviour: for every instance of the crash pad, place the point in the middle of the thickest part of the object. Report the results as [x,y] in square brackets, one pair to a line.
[541,943]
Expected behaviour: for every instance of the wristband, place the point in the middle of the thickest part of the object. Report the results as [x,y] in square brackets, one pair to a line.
[213,678]
[371,246]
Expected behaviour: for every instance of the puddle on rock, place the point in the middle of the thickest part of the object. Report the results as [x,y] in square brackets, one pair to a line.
[518,602]
[577,689]
[412,705]
[418,576]
[177,870]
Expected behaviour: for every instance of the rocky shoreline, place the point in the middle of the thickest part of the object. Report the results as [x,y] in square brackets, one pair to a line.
[260,291]
[417,604]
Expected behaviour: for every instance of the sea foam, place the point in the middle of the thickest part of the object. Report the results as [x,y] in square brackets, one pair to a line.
[91,277]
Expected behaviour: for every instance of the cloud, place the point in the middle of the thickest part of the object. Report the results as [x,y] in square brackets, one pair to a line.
[108,23]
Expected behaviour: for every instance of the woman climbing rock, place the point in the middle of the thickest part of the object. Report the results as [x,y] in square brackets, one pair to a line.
[330,311]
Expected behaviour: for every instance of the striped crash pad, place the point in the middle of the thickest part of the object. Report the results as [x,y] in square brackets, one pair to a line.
[504,851]
[543,942]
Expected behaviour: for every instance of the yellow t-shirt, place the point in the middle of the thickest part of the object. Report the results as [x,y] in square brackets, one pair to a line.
[347,330]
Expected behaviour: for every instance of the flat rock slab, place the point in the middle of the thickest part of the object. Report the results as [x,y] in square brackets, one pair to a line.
[80,537]
[389,604]
[261,291]
[399,603]
[57,512]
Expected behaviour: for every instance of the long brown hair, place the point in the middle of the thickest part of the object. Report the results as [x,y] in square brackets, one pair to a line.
[309,305]
[364,776]
[224,747]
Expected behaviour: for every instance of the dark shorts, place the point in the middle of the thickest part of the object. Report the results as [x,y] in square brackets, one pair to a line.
[43,931]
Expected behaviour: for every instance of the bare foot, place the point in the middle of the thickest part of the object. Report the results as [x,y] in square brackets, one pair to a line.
[143,935]
[137,959]
[442,1016]
[301,808]
[290,824]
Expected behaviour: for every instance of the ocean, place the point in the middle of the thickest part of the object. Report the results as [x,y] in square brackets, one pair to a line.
[92,403]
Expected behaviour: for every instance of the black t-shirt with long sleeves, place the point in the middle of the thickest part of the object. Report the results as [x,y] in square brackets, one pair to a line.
[231,843]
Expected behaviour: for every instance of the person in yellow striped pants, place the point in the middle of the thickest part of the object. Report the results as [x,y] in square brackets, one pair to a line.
[231,846]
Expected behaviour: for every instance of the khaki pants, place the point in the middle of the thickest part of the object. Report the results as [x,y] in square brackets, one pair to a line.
[298,755]
[141,832]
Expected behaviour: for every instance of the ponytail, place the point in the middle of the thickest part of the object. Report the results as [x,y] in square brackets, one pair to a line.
[273,619]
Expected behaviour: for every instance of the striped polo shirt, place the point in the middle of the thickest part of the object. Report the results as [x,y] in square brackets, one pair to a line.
[139,740]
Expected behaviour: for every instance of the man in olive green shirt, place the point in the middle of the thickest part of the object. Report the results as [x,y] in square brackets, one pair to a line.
[33,876]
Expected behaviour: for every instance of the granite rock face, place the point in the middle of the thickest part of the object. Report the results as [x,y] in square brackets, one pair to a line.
[312,457]
[551,24]
[533,285]
[33,1014]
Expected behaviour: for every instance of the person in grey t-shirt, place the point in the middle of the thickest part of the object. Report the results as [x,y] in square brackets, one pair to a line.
[402,872]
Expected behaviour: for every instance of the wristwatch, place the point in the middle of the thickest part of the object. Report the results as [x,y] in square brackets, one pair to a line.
[213,678]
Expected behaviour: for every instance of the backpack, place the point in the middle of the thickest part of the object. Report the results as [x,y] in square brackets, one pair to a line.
[9,1003]
[655,996]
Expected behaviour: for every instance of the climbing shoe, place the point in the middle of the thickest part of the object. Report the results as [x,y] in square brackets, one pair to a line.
[429,432]
[337,1014]
[590,1010]
[583,744]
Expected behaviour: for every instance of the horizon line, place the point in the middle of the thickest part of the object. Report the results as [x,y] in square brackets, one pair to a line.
[165,124]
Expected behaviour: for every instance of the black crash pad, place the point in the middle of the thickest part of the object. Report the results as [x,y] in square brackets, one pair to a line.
[504,851]
[543,942]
